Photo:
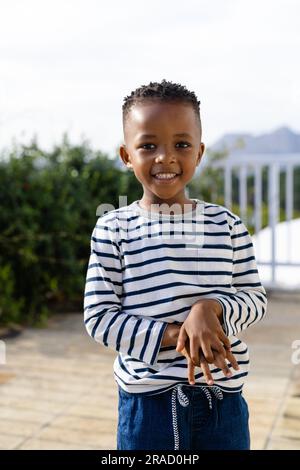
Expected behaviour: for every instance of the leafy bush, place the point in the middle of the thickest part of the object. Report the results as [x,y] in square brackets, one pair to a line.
[48,210]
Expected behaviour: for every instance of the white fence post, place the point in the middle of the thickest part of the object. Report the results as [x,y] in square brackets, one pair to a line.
[257,197]
[289,192]
[273,213]
[228,186]
[243,192]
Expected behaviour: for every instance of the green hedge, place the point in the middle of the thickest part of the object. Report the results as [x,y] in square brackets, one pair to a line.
[48,206]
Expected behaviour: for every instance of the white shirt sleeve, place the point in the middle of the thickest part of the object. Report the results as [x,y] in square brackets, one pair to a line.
[137,336]
[248,304]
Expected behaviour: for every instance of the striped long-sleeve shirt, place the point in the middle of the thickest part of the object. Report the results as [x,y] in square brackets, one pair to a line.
[147,270]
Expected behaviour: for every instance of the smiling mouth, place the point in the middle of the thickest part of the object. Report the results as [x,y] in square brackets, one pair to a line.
[166,177]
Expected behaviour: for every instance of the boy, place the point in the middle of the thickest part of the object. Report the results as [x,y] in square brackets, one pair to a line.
[171,307]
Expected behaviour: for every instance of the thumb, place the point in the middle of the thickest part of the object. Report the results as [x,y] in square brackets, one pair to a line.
[182,337]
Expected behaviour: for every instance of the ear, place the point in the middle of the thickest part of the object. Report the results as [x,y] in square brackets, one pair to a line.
[200,153]
[125,156]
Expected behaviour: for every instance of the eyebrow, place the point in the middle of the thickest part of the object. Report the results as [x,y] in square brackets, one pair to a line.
[149,136]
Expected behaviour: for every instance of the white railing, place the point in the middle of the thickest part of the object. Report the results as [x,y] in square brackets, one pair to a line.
[247,165]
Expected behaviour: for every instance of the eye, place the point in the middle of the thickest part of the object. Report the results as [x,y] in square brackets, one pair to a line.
[146,145]
[184,143]
[143,147]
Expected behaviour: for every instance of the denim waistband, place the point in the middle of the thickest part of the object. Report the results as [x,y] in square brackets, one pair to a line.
[184,401]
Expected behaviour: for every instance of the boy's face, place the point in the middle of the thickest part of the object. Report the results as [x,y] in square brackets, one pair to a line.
[162,151]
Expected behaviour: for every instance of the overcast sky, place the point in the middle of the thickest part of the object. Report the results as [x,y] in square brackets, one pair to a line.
[65,65]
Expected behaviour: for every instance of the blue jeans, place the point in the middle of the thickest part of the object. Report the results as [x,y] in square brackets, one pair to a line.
[185,417]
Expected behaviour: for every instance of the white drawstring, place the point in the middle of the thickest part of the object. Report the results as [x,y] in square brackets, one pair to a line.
[184,401]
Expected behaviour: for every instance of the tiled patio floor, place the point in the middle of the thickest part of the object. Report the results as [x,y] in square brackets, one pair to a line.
[57,389]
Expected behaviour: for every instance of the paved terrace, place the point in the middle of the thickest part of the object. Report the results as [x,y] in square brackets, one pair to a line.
[57,389]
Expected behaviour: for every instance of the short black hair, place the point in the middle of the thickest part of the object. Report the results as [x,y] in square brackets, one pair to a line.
[165,91]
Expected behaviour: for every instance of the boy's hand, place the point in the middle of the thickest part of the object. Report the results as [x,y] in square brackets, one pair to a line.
[170,335]
[191,367]
[203,330]
[170,338]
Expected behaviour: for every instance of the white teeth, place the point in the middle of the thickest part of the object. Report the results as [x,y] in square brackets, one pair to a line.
[165,175]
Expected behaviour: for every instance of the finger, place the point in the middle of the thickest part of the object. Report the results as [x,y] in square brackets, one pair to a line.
[181,340]
[206,372]
[187,347]
[208,354]
[219,347]
[191,368]
[225,340]
[222,364]
[194,351]
[191,372]
[230,357]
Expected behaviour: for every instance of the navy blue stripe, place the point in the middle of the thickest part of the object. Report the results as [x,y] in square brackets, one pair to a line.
[176,382]
[146,369]
[243,247]
[197,376]
[108,269]
[106,333]
[105,241]
[165,315]
[177,284]
[107,302]
[244,234]
[250,271]
[158,222]
[119,337]
[258,295]
[93,332]
[153,235]
[144,249]
[257,314]
[238,318]
[245,322]
[244,351]
[104,279]
[234,377]
[238,222]
[99,292]
[105,255]
[98,314]
[158,342]
[136,327]
[218,213]
[165,300]
[243,260]
[122,365]
[169,361]
[146,342]
[156,260]
[165,271]
[185,366]
[248,284]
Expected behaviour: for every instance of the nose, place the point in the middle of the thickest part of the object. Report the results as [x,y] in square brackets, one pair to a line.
[165,155]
